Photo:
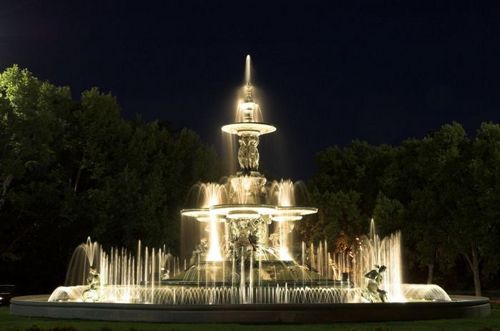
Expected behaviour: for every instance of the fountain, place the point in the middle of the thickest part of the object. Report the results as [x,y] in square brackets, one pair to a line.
[239,261]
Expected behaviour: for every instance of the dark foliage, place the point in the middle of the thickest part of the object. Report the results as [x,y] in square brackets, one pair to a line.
[76,168]
[442,191]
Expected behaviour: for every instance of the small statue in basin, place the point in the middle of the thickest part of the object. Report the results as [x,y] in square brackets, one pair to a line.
[90,294]
[373,292]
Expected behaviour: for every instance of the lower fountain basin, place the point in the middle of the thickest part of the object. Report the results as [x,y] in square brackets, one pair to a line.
[459,307]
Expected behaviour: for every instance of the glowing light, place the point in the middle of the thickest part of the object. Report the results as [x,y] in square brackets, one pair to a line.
[258,209]
[277,213]
[212,198]
[200,213]
[286,198]
[285,218]
[284,254]
[296,210]
[206,219]
[243,127]
[243,214]
[247,69]
[283,233]
[214,253]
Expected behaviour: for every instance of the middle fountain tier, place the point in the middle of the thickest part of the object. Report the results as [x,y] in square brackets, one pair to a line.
[248,219]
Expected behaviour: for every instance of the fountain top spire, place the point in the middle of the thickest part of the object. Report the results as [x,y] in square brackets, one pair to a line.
[248,80]
[248,75]
[248,113]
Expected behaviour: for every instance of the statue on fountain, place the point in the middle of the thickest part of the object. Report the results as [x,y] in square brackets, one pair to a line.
[90,294]
[373,292]
[248,154]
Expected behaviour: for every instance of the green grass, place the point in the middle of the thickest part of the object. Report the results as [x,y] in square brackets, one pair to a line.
[9,322]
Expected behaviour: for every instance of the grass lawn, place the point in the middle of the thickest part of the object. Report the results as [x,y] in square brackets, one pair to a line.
[9,322]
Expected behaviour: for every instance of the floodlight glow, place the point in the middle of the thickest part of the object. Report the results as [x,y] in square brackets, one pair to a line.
[248,127]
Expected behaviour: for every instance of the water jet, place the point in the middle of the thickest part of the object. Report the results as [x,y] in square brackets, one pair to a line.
[244,265]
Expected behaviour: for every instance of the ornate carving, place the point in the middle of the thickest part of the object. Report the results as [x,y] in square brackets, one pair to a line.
[247,235]
[248,154]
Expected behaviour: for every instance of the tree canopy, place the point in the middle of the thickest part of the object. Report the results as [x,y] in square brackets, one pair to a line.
[73,167]
[70,168]
[442,191]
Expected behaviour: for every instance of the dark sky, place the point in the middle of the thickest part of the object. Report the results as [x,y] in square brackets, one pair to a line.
[329,72]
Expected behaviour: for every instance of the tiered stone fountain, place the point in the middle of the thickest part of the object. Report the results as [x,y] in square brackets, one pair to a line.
[243,265]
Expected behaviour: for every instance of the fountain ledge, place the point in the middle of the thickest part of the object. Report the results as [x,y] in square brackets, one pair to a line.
[459,307]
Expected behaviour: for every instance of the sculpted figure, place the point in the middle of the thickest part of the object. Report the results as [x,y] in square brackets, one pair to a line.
[248,153]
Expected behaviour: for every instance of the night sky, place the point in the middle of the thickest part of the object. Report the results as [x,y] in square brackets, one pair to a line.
[328,73]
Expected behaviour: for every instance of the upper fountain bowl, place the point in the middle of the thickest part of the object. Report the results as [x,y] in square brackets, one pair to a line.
[254,128]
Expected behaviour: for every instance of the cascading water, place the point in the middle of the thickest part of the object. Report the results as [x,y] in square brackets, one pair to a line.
[283,194]
[377,251]
[238,247]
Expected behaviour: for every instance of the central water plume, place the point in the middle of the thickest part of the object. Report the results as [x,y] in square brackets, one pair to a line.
[248,110]
[247,70]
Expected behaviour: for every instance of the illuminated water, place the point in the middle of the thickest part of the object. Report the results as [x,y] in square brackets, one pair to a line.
[239,246]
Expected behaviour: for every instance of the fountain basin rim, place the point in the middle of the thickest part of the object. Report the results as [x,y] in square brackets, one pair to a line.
[456,300]
[461,306]
[240,128]
[277,213]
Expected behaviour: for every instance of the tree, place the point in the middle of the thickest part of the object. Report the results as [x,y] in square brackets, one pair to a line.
[338,212]
[73,168]
[33,180]
[389,214]
[442,191]
[475,227]
[433,203]
[345,189]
